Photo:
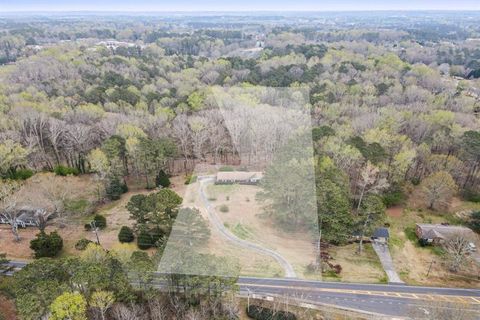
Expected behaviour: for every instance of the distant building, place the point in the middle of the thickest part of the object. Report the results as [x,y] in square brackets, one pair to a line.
[25,218]
[381,235]
[240,177]
[114,44]
[438,233]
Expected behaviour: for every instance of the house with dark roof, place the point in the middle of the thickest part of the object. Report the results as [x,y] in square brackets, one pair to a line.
[381,235]
[439,233]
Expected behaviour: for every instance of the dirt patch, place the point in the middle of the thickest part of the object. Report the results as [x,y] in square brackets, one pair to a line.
[7,308]
[395,212]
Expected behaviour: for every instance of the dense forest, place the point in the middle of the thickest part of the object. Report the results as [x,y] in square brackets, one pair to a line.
[394,101]
[127,97]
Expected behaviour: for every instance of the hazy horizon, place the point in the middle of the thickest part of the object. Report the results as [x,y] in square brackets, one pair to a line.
[148,6]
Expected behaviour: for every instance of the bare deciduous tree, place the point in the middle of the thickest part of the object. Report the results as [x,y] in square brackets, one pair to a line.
[457,251]
[8,203]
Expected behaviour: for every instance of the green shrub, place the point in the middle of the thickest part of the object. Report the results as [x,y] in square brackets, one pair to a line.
[471,195]
[224,208]
[474,222]
[393,197]
[87,226]
[226,169]
[20,174]
[82,244]
[115,188]
[439,251]
[47,245]
[65,171]
[262,313]
[190,179]
[125,235]
[415,181]
[410,233]
[7,286]
[162,179]
[144,240]
[100,221]
[423,242]
[156,234]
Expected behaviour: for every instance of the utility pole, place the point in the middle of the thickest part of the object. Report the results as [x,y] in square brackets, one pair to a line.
[95,229]
[318,246]
[430,267]
[248,300]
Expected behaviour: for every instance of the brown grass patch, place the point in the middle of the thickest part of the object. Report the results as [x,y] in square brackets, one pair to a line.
[7,308]
[395,212]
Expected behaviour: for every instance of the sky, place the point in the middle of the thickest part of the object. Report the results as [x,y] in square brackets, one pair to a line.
[237,5]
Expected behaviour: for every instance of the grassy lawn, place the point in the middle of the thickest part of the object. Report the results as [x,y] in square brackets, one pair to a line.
[356,268]
[220,191]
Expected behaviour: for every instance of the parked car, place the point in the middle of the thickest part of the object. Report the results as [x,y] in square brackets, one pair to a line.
[472,247]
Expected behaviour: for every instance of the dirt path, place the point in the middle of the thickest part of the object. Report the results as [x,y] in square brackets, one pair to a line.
[217,223]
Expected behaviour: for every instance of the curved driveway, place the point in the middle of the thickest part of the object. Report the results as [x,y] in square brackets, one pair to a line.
[218,224]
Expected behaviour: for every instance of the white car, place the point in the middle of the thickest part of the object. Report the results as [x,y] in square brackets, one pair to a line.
[472,247]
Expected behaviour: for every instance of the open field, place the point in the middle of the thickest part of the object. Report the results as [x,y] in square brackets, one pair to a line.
[242,215]
[356,268]
[245,218]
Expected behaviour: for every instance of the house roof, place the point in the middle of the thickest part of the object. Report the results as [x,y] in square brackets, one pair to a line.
[238,175]
[381,233]
[433,234]
[431,231]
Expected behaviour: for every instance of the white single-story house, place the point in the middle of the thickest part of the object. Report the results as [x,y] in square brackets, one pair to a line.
[241,177]
[25,218]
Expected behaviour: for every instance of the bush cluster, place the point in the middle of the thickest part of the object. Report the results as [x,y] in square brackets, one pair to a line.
[126,235]
[82,244]
[147,239]
[115,188]
[471,195]
[47,245]
[100,223]
[162,179]
[65,171]
[261,313]
[20,174]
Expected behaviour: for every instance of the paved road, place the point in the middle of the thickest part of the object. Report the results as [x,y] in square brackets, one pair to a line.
[387,263]
[388,300]
[377,299]
[218,224]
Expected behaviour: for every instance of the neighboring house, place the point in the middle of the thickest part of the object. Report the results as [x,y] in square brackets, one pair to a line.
[241,177]
[25,218]
[381,235]
[439,233]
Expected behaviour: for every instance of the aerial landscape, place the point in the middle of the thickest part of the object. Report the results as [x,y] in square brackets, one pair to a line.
[246,161]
